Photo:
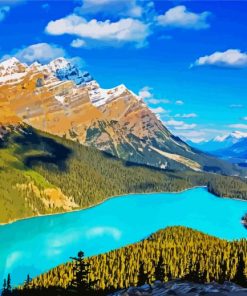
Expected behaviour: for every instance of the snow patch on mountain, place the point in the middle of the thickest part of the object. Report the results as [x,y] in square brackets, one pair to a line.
[234,136]
[60,68]
[65,70]
[12,70]
[100,96]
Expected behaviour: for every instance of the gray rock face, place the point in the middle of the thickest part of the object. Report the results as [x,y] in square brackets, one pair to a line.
[180,288]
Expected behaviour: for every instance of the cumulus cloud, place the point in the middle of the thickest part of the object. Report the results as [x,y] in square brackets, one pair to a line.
[181,17]
[231,58]
[189,115]
[194,136]
[148,96]
[122,31]
[102,230]
[179,102]
[145,92]
[238,126]
[154,101]
[42,52]
[3,12]
[111,7]
[158,110]
[179,125]
[77,43]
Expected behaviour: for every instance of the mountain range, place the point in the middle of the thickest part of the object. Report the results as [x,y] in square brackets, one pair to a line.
[231,147]
[62,100]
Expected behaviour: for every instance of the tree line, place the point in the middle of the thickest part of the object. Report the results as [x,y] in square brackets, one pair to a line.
[172,253]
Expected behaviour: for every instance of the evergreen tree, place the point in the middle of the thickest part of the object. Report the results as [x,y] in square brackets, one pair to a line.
[142,276]
[81,271]
[241,277]
[7,286]
[27,282]
[159,273]
[4,287]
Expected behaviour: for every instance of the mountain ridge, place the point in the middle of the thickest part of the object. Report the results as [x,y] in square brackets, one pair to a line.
[113,120]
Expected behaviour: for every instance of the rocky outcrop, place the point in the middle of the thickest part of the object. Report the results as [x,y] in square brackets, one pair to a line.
[180,288]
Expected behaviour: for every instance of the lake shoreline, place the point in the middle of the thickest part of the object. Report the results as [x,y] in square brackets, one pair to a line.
[110,198]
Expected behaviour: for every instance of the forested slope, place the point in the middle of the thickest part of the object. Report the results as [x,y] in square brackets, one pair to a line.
[172,253]
[41,174]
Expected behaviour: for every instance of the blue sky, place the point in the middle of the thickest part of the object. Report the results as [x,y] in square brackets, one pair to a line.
[187,58]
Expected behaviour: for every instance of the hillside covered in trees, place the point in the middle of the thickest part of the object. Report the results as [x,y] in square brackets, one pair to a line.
[43,174]
[172,253]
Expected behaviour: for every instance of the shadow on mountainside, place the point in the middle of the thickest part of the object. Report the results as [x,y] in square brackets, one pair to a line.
[37,149]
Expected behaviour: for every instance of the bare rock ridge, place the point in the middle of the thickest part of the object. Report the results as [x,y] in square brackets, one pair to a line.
[62,100]
[180,288]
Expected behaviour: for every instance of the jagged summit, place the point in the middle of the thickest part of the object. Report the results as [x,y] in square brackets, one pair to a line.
[58,63]
[65,70]
[12,70]
[11,66]
[100,96]
[61,99]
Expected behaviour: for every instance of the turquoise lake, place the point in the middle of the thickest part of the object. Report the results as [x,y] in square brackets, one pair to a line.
[35,245]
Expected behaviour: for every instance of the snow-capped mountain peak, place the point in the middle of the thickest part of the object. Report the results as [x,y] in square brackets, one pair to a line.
[233,137]
[59,63]
[220,142]
[11,66]
[63,69]
[100,96]
[12,70]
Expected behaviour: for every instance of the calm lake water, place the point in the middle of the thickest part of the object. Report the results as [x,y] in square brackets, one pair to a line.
[35,245]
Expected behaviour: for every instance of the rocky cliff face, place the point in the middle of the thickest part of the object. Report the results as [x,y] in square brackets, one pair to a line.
[180,288]
[61,99]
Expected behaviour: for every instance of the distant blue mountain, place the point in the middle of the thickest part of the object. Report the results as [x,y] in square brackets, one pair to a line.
[237,153]
[232,147]
[219,142]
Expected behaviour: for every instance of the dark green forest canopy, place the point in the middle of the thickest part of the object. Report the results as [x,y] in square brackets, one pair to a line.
[85,175]
[181,253]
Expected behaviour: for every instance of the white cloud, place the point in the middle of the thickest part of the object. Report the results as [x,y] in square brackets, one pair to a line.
[158,101]
[42,52]
[148,96]
[158,110]
[122,31]
[77,43]
[238,126]
[181,17]
[78,61]
[179,125]
[154,101]
[194,136]
[145,92]
[189,115]
[236,106]
[102,230]
[3,12]
[179,102]
[231,58]
[111,7]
